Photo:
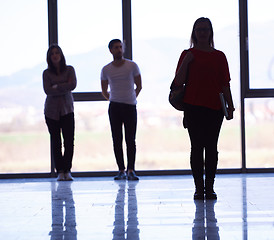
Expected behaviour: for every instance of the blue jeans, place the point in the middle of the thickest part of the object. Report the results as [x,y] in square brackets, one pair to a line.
[121,114]
[66,126]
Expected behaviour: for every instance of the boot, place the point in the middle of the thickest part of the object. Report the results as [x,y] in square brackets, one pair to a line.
[199,189]
[209,191]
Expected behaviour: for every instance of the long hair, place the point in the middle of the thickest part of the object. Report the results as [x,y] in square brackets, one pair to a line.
[63,64]
[193,39]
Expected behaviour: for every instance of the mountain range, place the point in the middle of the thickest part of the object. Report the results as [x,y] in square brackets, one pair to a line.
[157,60]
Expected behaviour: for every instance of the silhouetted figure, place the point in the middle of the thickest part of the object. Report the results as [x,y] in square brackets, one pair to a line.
[122,75]
[58,82]
[205,72]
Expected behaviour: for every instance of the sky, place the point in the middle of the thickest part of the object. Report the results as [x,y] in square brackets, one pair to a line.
[87,24]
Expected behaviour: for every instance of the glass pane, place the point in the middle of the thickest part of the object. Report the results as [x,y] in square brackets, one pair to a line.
[24,142]
[159,37]
[259,133]
[85,29]
[260,31]
[93,142]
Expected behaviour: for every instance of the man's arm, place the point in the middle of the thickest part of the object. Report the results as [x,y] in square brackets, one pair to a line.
[104,86]
[138,83]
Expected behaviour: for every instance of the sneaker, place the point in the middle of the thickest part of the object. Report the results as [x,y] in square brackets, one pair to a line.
[131,176]
[61,177]
[68,177]
[121,176]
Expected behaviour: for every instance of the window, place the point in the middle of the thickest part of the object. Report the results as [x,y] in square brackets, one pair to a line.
[93,142]
[259,116]
[161,31]
[24,142]
[261,58]
[85,29]
[84,39]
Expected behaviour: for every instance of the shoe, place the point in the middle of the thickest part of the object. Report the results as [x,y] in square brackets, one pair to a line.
[61,177]
[68,177]
[121,176]
[209,190]
[198,196]
[211,195]
[199,189]
[131,176]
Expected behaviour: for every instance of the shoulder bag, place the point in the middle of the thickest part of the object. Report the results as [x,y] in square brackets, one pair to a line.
[176,96]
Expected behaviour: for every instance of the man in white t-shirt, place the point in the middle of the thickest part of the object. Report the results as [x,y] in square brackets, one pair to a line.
[122,75]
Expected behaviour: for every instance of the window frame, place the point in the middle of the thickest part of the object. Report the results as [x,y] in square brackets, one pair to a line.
[245,90]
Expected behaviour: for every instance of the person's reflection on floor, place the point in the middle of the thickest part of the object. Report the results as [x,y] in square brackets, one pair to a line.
[130,231]
[198,230]
[212,230]
[119,218]
[132,223]
[62,199]
[205,222]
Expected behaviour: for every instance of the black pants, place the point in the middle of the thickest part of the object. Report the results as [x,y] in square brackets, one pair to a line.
[204,125]
[66,126]
[123,114]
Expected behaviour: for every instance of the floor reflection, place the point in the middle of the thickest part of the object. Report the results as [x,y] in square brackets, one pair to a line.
[63,212]
[205,222]
[129,231]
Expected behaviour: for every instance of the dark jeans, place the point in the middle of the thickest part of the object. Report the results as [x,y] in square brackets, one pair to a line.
[123,114]
[66,126]
[204,125]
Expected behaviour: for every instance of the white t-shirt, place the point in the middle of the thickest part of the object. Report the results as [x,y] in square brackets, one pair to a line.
[121,81]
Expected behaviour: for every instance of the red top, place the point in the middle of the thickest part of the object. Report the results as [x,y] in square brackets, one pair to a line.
[207,74]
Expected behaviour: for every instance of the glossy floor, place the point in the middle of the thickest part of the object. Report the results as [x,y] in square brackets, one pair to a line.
[154,208]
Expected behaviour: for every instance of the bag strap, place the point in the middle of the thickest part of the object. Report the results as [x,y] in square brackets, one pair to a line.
[173,85]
